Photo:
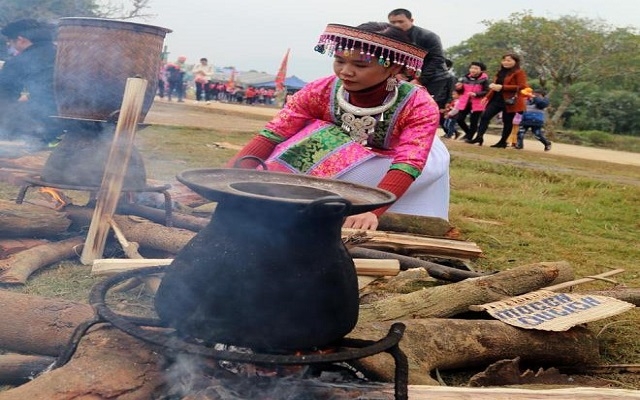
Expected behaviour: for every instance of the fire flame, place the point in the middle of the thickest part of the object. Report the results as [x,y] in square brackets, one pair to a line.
[56,196]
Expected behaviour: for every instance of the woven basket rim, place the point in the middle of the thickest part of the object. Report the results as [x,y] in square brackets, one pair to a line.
[112,24]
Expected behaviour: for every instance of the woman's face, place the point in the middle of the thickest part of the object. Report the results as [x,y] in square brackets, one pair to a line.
[357,74]
[508,62]
[474,70]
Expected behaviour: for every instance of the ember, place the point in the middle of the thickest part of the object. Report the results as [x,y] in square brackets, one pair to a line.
[59,198]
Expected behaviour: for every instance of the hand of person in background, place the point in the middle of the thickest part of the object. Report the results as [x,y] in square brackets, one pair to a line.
[368,221]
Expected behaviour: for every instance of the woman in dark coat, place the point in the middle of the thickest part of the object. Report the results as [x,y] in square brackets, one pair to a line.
[503,97]
[26,82]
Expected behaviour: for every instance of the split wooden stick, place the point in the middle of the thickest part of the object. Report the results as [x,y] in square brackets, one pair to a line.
[115,170]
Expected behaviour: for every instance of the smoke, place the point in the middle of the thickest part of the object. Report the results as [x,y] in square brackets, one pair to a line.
[192,377]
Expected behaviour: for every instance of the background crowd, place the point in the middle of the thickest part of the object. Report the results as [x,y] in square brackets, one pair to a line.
[176,79]
[467,103]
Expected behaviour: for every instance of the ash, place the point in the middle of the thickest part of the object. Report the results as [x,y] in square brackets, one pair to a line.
[194,378]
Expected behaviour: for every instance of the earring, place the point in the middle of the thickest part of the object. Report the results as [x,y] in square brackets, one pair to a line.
[392,83]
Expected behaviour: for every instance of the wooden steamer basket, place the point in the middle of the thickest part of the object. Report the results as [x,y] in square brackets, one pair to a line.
[94,59]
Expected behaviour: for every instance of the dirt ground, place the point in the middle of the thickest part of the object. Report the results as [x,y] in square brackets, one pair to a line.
[244,118]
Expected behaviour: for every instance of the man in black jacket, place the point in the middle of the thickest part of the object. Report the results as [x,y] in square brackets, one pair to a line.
[27,99]
[435,74]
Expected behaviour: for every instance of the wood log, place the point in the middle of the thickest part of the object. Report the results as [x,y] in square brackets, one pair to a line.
[146,233]
[16,369]
[111,364]
[179,220]
[455,298]
[437,271]
[630,295]
[108,364]
[446,344]
[26,220]
[416,224]
[38,325]
[115,170]
[17,268]
[13,246]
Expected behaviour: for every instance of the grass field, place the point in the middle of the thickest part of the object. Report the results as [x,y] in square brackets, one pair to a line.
[519,207]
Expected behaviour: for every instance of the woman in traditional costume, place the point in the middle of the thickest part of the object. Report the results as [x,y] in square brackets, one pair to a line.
[363,125]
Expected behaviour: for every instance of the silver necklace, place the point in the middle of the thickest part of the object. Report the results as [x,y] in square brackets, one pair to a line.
[359,122]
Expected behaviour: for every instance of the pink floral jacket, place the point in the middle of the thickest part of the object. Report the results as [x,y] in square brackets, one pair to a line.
[310,139]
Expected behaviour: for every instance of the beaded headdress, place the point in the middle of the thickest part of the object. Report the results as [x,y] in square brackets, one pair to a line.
[346,40]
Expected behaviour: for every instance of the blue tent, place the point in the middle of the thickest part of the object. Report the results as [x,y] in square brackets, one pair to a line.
[291,82]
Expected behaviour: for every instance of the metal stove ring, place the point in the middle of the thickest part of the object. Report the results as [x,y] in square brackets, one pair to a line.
[134,326]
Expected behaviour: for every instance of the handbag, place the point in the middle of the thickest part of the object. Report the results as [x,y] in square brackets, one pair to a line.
[512,100]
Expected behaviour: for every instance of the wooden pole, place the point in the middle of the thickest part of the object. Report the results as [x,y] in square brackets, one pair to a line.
[115,170]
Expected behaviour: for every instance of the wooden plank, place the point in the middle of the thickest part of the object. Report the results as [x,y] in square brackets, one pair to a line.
[110,266]
[363,281]
[115,170]
[412,243]
[419,392]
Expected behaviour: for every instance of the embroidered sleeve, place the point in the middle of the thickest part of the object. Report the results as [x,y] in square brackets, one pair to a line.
[414,133]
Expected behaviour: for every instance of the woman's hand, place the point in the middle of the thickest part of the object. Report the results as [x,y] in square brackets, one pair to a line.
[367,221]
[495,87]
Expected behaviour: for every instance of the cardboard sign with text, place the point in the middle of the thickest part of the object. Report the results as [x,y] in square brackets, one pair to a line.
[550,311]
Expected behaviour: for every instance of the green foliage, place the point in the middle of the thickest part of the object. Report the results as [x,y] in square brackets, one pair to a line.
[561,53]
[50,10]
[11,10]
[613,111]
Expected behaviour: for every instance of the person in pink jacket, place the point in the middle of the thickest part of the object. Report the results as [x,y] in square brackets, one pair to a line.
[474,87]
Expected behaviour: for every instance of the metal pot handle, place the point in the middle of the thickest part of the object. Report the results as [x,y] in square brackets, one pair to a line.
[259,160]
[318,204]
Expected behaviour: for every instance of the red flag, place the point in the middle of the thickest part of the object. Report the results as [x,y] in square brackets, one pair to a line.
[282,73]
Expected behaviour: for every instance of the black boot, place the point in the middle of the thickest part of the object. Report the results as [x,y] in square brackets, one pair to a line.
[478,140]
[502,143]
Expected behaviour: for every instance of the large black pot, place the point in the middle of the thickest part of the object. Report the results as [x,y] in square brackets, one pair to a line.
[270,271]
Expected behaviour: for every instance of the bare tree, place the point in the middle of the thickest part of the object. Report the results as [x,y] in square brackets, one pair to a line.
[124,9]
[11,10]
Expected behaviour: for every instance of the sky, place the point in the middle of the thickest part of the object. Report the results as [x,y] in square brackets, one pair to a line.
[255,34]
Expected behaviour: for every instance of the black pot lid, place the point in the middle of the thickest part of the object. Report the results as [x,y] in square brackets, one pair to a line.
[217,183]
